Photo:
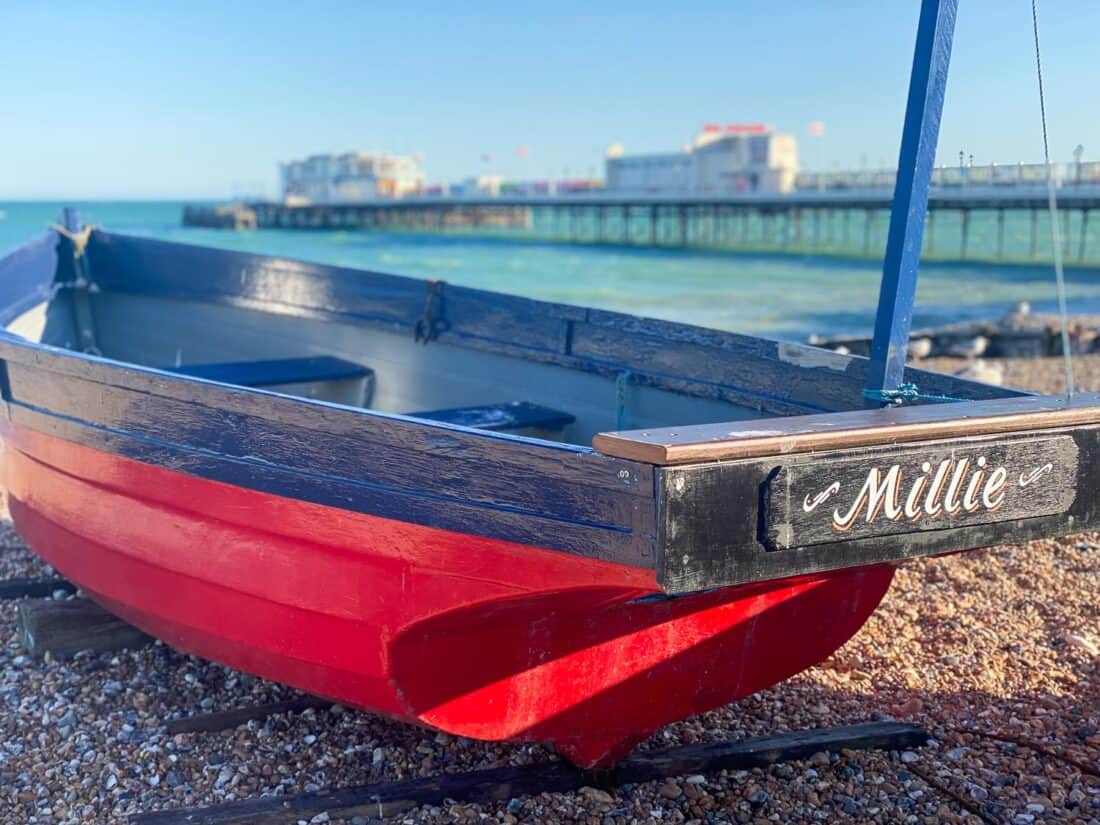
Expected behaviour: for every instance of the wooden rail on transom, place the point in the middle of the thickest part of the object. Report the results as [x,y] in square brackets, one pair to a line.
[860,428]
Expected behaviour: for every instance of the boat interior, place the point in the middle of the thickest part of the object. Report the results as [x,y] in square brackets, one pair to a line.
[436,352]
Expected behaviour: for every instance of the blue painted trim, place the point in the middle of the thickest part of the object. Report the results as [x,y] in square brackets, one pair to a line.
[927,84]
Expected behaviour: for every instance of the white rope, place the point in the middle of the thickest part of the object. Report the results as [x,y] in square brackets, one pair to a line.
[1052,203]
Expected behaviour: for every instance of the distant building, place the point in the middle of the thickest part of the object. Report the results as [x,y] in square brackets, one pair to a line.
[738,158]
[481,186]
[351,177]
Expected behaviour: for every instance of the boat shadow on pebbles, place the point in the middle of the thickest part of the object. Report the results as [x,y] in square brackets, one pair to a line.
[1005,652]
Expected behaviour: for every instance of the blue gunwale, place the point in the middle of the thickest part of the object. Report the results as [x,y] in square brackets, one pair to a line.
[27,276]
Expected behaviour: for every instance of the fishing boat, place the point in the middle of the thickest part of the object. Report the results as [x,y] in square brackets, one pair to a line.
[499,517]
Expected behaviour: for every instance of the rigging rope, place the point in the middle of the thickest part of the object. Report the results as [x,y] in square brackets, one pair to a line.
[1052,204]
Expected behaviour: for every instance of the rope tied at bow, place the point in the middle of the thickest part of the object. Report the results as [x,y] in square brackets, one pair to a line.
[79,239]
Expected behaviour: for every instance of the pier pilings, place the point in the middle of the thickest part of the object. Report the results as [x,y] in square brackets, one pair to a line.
[961,225]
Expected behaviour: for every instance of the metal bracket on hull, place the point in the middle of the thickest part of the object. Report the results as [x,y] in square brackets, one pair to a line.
[431,323]
[622,399]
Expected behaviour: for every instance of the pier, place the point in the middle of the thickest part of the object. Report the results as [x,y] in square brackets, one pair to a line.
[981,223]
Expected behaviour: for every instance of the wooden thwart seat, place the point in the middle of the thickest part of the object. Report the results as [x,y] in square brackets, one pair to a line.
[334,379]
[320,376]
[274,373]
[511,416]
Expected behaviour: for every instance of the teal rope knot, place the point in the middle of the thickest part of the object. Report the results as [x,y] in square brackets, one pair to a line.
[904,393]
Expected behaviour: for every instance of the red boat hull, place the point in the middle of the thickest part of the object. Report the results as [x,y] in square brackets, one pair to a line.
[474,636]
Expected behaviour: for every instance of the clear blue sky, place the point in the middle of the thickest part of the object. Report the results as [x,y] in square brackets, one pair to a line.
[194,99]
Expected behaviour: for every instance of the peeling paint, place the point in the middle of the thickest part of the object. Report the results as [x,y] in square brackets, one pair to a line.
[802,356]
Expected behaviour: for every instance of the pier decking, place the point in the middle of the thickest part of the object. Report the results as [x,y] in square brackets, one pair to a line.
[965,223]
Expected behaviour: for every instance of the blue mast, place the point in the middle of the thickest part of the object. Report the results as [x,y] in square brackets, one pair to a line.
[927,83]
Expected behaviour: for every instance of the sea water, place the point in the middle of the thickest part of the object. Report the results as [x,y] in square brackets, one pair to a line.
[776,295]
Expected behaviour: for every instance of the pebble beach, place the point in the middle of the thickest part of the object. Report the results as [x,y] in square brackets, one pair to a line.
[996,652]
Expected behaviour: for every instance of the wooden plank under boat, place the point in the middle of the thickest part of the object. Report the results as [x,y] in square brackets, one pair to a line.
[499,517]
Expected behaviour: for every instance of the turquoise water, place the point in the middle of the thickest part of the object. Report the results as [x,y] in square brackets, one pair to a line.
[784,296]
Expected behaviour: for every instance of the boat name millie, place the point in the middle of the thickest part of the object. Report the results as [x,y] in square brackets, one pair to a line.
[953,487]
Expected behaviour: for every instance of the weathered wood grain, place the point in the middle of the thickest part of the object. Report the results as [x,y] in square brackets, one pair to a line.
[34,588]
[227,719]
[761,751]
[392,466]
[63,628]
[498,784]
[630,542]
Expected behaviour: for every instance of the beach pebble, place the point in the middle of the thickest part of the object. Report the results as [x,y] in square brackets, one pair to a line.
[223,778]
[758,797]
[670,790]
[1081,642]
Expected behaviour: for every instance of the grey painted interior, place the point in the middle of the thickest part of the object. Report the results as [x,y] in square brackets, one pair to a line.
[408,376]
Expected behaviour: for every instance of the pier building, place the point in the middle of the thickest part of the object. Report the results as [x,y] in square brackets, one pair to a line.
[351,177]
[721,160]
